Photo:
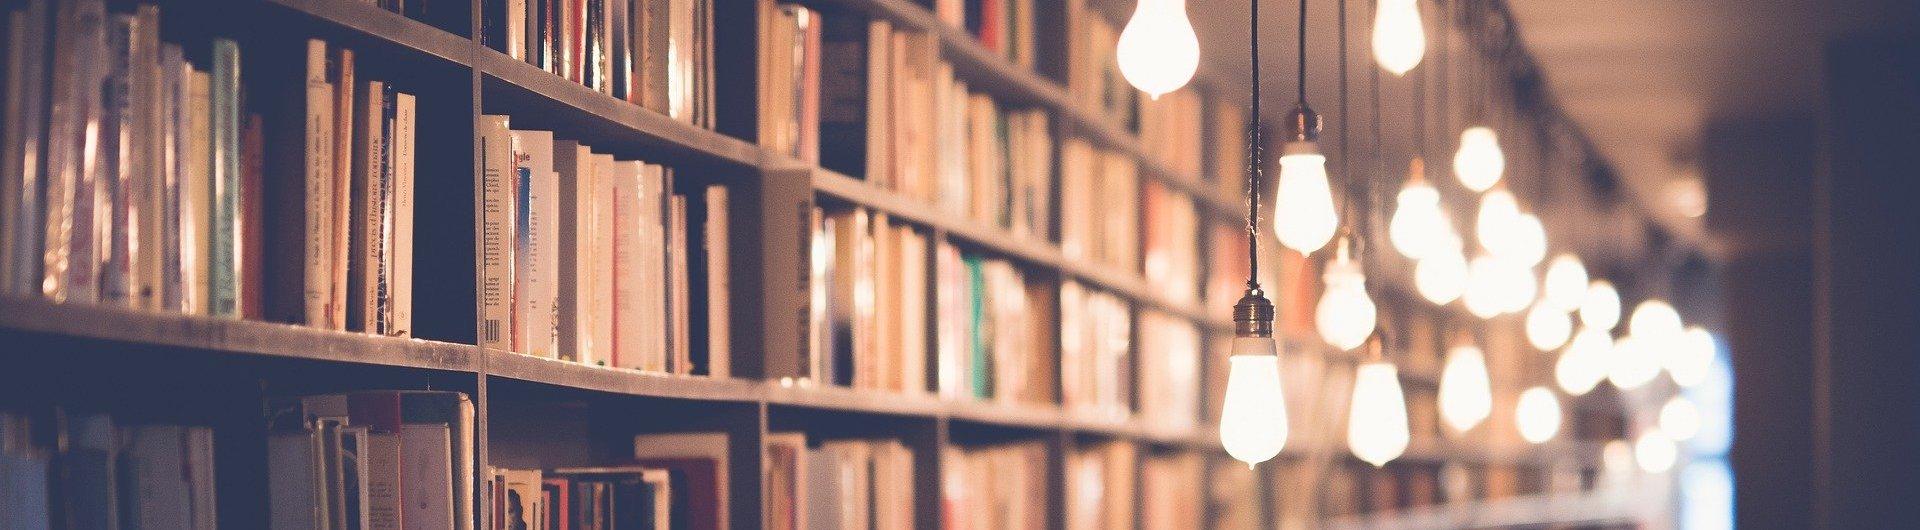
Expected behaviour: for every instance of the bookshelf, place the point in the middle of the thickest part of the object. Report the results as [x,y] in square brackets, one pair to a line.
[545,412]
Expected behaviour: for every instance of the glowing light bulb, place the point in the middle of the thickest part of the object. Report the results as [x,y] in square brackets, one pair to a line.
[1399,40]
[1466,396]
[1547,327]
[1494,226]
[1419,227]
[1158,52]
[1583,364]
[1478,163]
[1600,308]
[1616,457]
[1680,418]
[1377,422]
[1253,414]
[1442,277]
[1655,451]
[1345,315]
[1692,357]
[1635,362]
[1538,414]
[1518,285]
[1566,282]
[1529,240]
[1303,215]
[1654,319]
[1486,295]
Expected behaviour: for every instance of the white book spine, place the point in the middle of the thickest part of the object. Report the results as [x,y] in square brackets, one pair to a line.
[653,257]
[426,474]
[400,260]
[629,245]
[536,245]
[496,232]
[317,261]
[604,279]
[196,193]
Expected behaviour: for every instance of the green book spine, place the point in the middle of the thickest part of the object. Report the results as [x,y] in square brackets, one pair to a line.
[223,265]
[980,331]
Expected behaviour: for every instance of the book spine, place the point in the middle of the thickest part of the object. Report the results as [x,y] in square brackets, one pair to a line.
[344,86]
[174,74]
[536,249]
[20,200]
[381,212]
[250,244]
[652,254]
[223,280]
[113,197]
[718,291]
[364,243]
[196,184]
[496,232]
[316,261]
[400,232]
[148,220]
[629,322]
[573,164]
[67,114]
[601,271]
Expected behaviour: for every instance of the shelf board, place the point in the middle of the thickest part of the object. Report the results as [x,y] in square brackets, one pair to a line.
[226,335]
[568,374]
[991,73]
[386,26]
[1597,508]
[544,100]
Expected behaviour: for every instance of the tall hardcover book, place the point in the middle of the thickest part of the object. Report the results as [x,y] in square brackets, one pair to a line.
[536,238]
[400,229]
[602,310]
[716,270]
[367,249]
[630,329]
[119,155]
[22,202]
[574,165]
[196,195]
[223,266]
[67,267]
[340,74]
[496,232]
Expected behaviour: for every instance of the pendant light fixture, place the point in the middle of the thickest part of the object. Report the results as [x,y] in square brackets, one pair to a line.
[1157,52]
[1692,357]
[1377,419]
[1303,215]
[1565,284]
[1253,415]
[1419,225]
[1600,308]
[1547,327]
[1537,415]
[1479,163]
[1345,315]
[1583,363]
[1442,277]
[1466,394]
[1494,223]
[1399,40]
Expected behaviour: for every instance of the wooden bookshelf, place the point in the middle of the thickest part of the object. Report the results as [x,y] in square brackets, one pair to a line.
[503,382]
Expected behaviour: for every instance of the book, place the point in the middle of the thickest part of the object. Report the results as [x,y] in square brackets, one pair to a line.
[196,196]
[22,201]
[340,75]
[367,243]
[573,164]
[301,247]
[699,463]
[68,269]
[400,229]
[536,243]
[496,232]
[223,266]
[714,271]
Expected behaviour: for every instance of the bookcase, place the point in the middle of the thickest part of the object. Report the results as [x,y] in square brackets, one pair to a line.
[1149,448]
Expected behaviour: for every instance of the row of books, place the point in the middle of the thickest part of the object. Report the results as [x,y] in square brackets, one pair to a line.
[995,487]
[372,459]
[1004,27]
[996,339]
[1169,385]
[1093,71]
[673,480]
[597,260]
[876,102]
[1101,482]
[1096,331]
[1099,206]
[657,54]
[870,302]
[1170,243]
[86,471]
[135,177]
[848,484]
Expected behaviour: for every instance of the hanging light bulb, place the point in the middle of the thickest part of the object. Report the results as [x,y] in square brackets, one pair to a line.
[1303,214]
[1345,315]
[1377,423]
[1518,286]
[1466,396]
[1493,226]
[1655,451]
[1566,283]
[1537,415]
[1634,362]
[1654,319]
[1547,327]
[1583,364]
[1442,277]
[1419,227]
[1680,419]
[1529,240]
[1600,308]
[1692,357]
[1487,295]
[1157,52]
[1253,416]
[1479,161]
[1399,40]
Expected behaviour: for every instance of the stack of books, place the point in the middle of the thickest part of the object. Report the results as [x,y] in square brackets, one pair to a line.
[596,260]
[657,54]
[134,177]
[847,483]
[60,471]
[999,486]
[1096,329]
[371,459]
[676,480]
